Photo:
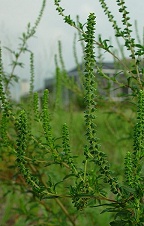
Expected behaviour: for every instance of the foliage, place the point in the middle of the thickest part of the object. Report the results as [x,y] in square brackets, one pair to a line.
[56,182]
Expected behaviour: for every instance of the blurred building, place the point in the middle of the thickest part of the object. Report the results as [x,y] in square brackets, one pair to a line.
[108,88]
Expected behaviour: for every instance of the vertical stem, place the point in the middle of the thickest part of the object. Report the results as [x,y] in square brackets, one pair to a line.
[65,211]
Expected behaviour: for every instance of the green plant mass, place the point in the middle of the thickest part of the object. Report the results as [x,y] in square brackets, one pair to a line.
[75,161]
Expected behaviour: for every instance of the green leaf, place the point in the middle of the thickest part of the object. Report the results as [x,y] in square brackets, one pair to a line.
[69,175]
[139,46]
[110,210]
[51,197]
[57,184]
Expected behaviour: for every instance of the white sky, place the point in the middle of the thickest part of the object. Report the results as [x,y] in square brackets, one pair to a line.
[15,15]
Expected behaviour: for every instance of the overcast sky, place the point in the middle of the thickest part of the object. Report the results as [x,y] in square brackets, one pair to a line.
[15,15]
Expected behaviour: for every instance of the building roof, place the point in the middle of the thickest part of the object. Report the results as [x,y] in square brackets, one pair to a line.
[104,65]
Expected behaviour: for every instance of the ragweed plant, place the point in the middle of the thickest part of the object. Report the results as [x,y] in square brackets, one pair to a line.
[23,48]
[46,121]
[5,106]
[48,170]
[90,97]
[123,206]
[22,134]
